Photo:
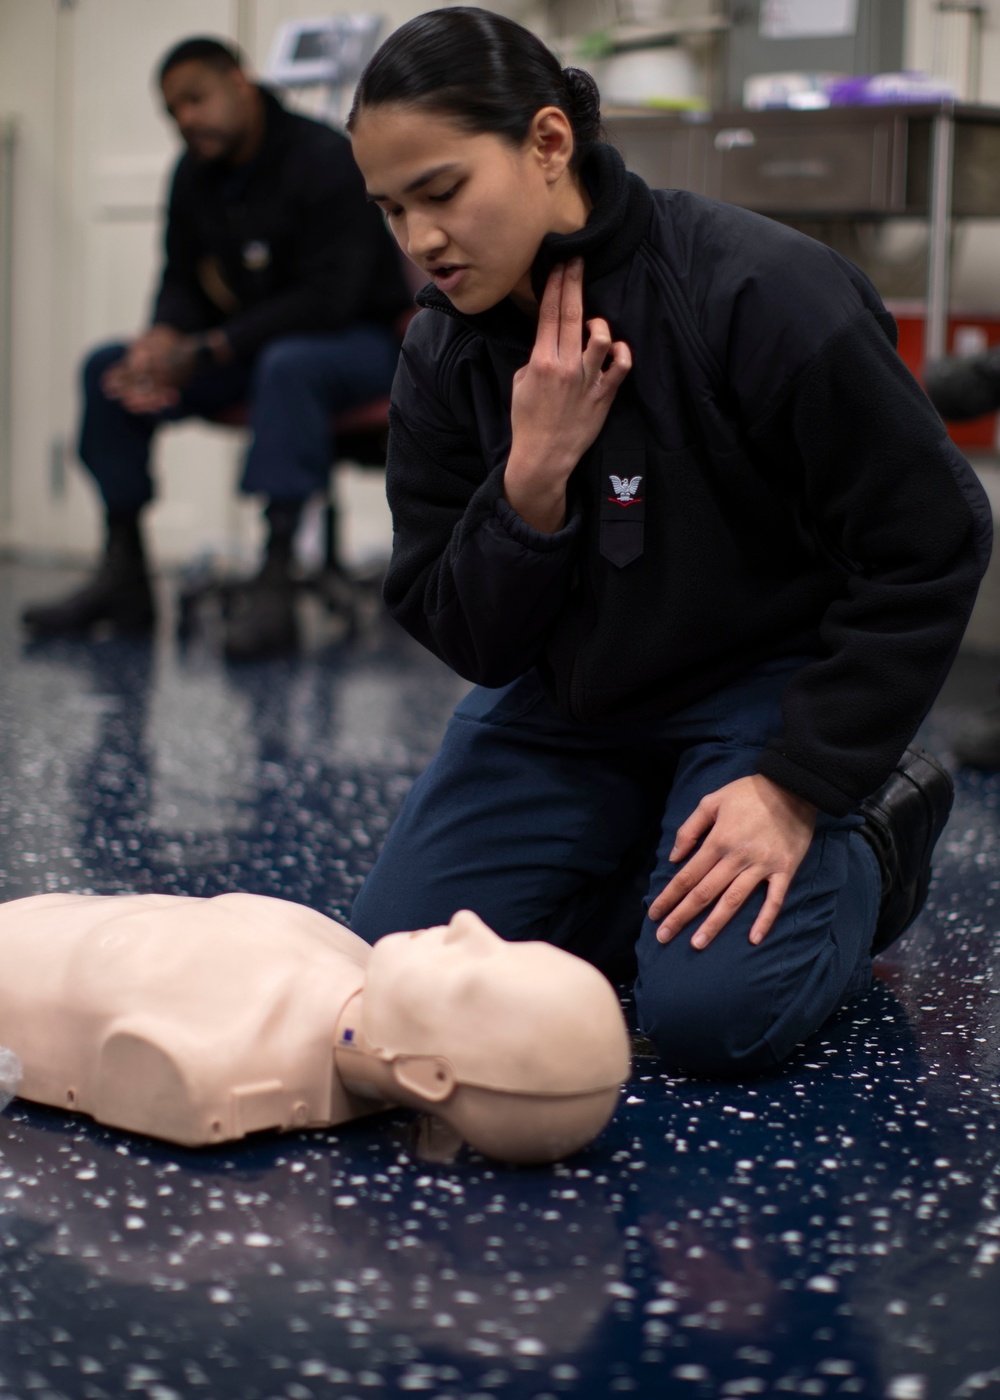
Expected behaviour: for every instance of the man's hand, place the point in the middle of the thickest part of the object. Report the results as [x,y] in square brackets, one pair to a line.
[751,831]
[155,368]
[560,399]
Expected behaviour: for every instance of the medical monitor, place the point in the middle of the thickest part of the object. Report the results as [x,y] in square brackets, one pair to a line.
[330,50]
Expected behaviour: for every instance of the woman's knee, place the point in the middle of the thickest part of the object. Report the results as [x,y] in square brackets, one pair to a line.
[707,1033]
[395,899]
[367,915]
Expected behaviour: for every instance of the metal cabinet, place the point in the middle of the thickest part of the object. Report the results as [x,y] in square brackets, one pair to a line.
[874,44]
[930,162]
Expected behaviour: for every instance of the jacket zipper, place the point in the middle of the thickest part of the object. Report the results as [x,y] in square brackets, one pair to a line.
[576,685]
[588,622]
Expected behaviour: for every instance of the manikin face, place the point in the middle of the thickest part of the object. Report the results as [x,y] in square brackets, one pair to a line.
[428,976]
[469,210]
[213,110]
[519,1017]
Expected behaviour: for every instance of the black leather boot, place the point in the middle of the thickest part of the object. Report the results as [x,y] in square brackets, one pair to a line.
[965,386]
[903,821]
[119,593]
[260,614]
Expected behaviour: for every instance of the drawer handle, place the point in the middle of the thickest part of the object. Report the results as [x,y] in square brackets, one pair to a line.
[733,138]
[796,170]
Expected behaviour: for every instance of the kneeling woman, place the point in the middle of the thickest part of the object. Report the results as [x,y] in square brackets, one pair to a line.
[662,488]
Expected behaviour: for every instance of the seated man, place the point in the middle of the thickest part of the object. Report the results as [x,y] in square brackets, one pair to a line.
[281,288]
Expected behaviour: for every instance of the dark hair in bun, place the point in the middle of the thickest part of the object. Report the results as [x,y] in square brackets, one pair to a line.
[488,72]
[585,105]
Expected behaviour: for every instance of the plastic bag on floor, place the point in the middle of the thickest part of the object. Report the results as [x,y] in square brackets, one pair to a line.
[11,1074]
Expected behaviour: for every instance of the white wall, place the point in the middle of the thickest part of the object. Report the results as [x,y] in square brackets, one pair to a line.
[28,87]
[94,153]
[93,159]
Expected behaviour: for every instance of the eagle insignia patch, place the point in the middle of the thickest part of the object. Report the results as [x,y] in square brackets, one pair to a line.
[625,489]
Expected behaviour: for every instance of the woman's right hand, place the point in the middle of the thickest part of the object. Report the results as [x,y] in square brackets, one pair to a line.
[560,400]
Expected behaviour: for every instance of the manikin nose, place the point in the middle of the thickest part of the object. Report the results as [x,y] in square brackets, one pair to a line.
[466,928]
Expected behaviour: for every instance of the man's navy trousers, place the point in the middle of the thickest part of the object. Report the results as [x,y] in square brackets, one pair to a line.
[292,389]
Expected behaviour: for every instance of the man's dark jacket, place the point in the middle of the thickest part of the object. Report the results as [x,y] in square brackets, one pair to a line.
[771,481]
[285,244]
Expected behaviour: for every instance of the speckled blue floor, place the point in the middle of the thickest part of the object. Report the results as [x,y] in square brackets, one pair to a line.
[833,1230]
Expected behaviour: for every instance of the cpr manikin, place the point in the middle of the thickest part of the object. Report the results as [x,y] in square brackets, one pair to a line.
[201,1020]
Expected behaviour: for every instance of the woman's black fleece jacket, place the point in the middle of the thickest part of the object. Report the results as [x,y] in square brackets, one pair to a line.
[771,481]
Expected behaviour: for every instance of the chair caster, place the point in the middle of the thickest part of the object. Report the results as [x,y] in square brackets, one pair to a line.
[355,598]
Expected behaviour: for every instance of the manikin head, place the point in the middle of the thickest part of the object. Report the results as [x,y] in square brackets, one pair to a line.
[216,108]
[521,1047]
[470,137]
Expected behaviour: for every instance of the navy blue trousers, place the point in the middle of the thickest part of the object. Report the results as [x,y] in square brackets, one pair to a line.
[559,831]
[292,388]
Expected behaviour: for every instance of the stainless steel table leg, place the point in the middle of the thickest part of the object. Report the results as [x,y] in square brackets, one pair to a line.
[938,253]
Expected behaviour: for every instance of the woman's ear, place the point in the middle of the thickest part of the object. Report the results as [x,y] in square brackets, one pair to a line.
[551,141]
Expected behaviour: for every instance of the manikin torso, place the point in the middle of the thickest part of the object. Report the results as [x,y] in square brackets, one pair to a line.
[202,1020]
[196,1020]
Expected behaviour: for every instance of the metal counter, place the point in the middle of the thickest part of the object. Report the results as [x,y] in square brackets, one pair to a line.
[935,163]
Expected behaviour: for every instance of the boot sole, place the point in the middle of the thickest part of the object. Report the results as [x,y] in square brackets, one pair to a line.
[131,624]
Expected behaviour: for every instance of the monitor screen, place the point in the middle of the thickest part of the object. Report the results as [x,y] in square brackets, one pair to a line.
[311,43]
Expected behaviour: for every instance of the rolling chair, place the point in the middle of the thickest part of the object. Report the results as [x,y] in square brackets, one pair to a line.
[361,436]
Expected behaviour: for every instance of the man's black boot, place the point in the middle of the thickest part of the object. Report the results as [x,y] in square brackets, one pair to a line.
[260,614]
[965,386]
[119,593]
[903,821]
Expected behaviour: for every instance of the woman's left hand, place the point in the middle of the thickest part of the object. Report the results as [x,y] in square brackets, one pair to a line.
[754,831]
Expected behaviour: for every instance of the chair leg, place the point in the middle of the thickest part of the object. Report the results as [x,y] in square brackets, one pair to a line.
[342,591]
[331,554]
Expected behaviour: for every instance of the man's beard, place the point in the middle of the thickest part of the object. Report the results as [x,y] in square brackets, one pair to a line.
[223,146]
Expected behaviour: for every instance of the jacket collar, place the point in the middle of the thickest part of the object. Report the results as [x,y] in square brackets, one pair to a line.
[276,118]
[277,125]
[618,221]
